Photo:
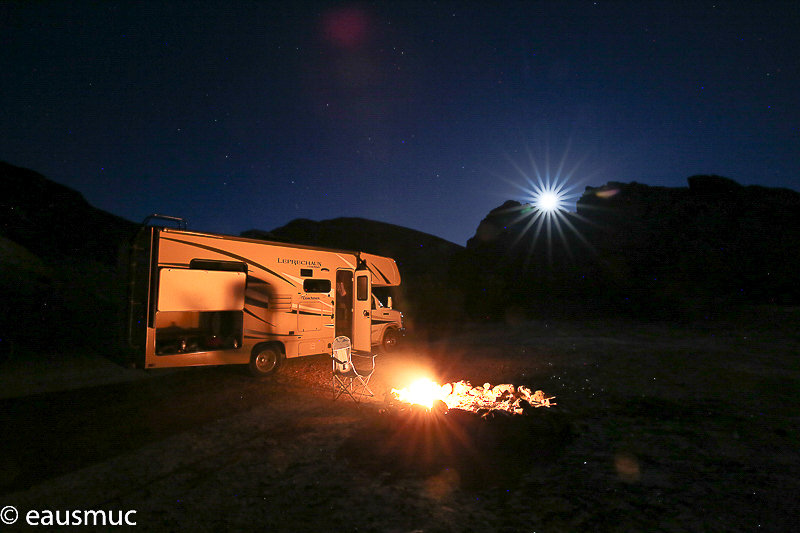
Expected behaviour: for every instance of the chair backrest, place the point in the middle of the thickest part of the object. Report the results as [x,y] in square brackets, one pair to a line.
[342,354]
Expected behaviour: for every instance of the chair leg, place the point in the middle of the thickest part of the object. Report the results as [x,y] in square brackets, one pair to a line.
[356,388]
[343,386]
[339,387]
[363,388]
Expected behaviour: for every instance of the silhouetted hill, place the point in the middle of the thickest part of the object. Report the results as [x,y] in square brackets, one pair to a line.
[57,268]
[650,250]
[54,221]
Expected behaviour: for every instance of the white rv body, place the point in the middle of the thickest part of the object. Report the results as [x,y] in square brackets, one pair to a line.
[205,299]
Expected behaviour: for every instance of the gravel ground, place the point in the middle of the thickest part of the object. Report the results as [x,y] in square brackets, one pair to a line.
[657,428]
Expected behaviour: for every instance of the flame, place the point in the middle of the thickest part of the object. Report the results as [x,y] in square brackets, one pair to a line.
[421,392]
[462,395]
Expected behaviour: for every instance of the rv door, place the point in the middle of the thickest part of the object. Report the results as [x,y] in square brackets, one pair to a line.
[362,318]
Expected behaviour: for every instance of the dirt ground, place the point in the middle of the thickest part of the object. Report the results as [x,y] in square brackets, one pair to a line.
[657,428]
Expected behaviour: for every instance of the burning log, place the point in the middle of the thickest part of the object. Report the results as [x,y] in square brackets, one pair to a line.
[462,395]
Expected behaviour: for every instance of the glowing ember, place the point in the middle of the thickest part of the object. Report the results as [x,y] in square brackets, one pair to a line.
[462,395]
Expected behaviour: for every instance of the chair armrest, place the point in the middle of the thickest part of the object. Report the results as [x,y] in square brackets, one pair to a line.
[363,360]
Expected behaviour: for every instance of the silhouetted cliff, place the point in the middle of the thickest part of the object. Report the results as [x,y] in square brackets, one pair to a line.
[657,251]
[54,221]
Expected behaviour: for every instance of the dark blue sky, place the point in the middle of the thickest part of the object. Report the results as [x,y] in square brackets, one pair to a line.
[243,115]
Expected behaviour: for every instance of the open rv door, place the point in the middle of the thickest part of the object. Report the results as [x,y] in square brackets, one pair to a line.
[362,318]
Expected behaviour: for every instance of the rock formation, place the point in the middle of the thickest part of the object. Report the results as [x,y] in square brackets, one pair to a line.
[652,250]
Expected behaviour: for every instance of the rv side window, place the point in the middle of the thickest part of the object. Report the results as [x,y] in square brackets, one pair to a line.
[362,289]
[213,264]
[317,285]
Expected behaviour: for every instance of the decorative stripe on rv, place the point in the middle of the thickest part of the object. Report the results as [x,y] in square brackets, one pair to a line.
[260,335]
[371,266]
[229,254]
[309,313]
[346,261]
[246,310]
[249,300]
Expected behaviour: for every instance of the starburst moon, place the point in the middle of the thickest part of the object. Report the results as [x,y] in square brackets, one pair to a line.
[546,195]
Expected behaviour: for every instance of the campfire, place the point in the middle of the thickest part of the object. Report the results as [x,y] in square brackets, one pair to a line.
[473,436]
[462,395]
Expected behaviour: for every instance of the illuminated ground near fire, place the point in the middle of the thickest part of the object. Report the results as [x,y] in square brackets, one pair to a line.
[657,427]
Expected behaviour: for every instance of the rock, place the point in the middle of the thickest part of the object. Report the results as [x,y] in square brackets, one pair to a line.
[658,252]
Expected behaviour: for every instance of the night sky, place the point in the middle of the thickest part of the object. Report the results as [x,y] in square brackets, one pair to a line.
[239,115]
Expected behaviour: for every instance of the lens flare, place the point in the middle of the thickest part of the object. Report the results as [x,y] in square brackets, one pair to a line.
[546,195]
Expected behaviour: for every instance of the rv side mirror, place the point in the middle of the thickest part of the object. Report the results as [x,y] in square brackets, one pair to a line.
[389,302]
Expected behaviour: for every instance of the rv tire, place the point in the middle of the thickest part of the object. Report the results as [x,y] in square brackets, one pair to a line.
[390,340]
[265,360]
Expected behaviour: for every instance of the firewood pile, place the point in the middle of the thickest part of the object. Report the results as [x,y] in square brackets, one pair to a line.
[462,395]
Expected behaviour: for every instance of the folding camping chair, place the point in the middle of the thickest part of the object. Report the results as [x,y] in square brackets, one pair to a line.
[347,379]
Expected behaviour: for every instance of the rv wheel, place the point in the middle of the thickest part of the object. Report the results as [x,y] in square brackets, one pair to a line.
[265,361]
[390,340]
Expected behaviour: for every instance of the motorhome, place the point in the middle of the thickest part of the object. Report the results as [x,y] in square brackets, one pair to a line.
[205,299]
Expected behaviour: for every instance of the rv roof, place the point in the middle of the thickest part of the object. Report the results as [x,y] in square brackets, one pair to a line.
[384,269]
